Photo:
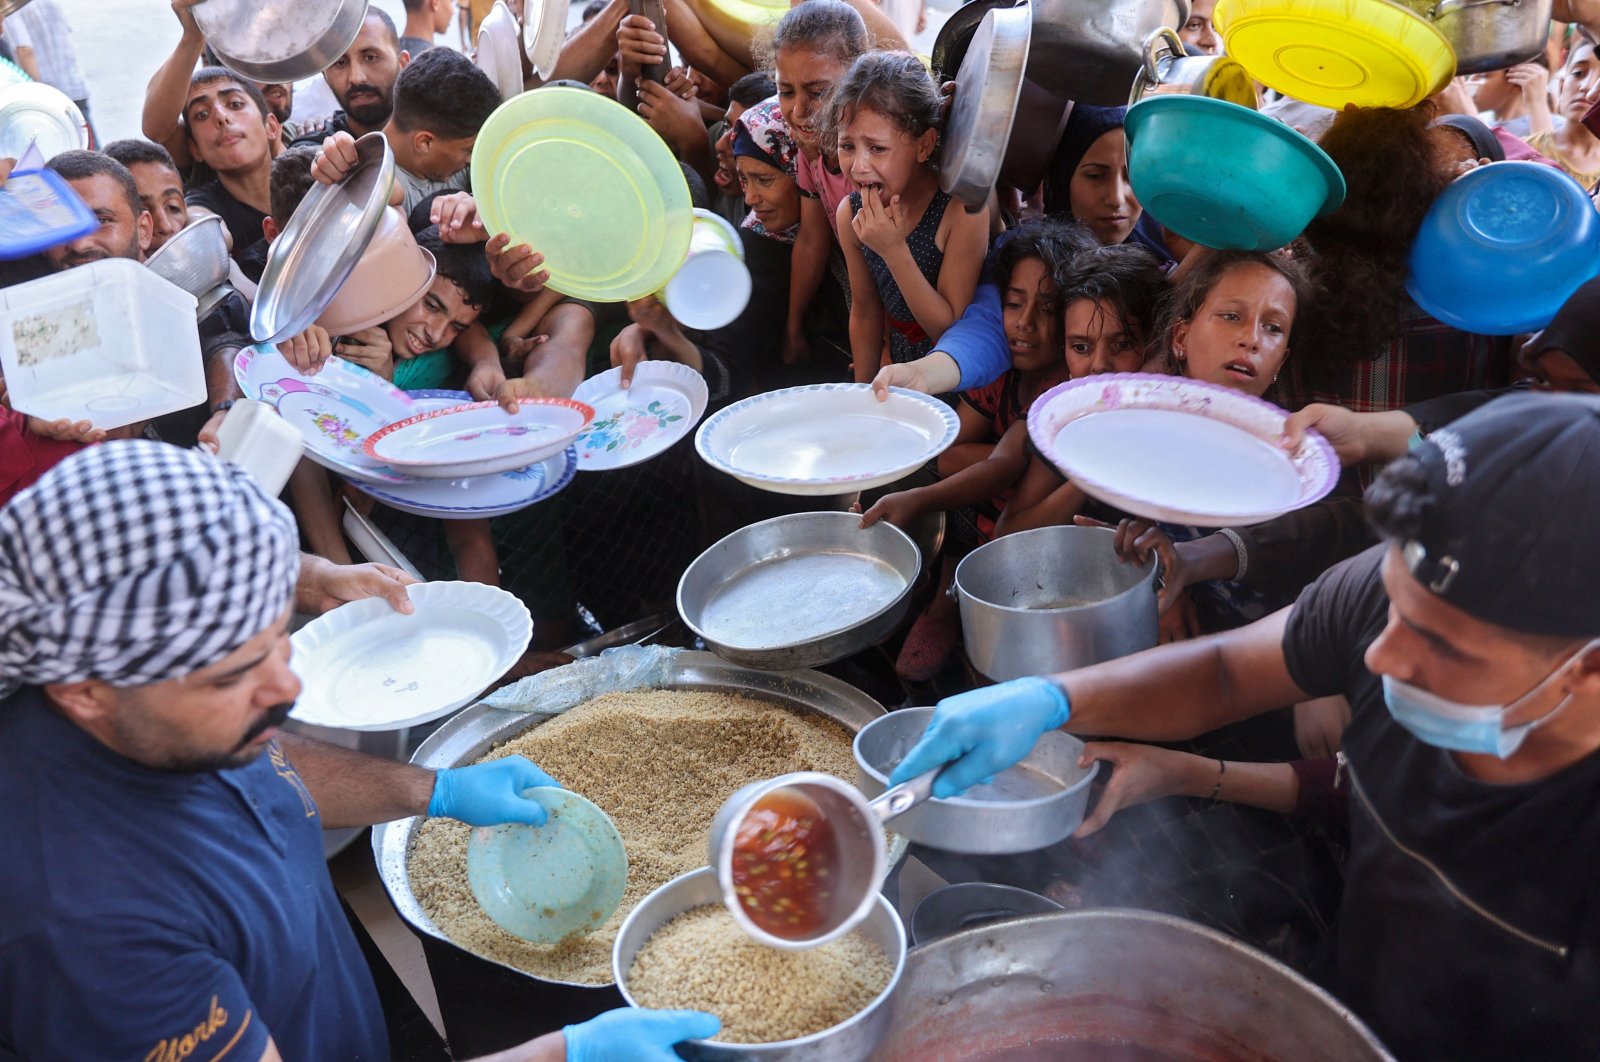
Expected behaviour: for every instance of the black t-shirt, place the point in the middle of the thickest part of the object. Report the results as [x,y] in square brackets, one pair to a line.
[243,220]
[1468,928]
[148,914]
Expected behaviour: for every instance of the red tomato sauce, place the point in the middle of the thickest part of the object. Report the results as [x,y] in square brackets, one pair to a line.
[784,860]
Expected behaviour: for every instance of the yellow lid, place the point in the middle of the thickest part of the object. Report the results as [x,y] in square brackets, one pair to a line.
[1371,53]
[588,184]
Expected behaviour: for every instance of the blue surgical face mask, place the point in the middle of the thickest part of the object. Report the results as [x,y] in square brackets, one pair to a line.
[1478,728]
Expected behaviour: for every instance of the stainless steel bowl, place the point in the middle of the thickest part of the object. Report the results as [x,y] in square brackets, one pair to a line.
[1488,34]
[988,87]
[850,1041]
[747,595]
[1089,49]
[277,43]
[477,729]
[316,251]
[1029,806]
[196,259]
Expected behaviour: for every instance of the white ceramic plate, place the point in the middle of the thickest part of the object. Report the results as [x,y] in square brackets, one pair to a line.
[478,439]
[334,411]
[544,29]
[1179,450]
[365,666]
[826,439]
[664,404]
[498,53]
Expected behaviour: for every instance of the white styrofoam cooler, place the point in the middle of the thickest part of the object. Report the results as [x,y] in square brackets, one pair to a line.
[108,342]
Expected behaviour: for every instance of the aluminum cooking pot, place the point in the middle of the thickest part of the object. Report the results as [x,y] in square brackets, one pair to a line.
[1488,34]
[1111,980]
[988,88]
[1095,47]
[279,43]
[1169,70]
[1053,599]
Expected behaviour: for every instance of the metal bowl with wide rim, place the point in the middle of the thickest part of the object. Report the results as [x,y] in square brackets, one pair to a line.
[478,729]
[316,251]
[800,590]
[852,1040]
[1113,981]
[280,43]
[196,259]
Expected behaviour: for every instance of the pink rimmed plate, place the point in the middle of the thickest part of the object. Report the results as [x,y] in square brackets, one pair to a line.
[479,439]
[1178,450]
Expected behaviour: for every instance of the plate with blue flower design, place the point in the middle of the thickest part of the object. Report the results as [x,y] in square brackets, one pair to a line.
[664,403]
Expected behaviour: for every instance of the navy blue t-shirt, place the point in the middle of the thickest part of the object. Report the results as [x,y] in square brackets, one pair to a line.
[150,915]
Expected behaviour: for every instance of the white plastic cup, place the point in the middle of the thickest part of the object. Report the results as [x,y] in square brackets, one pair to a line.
[712,287]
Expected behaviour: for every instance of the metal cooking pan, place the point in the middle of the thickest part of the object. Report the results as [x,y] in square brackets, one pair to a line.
[1096,47]
[800,590]
[1029,806]
[1169,70]
[280,43]
[988,88]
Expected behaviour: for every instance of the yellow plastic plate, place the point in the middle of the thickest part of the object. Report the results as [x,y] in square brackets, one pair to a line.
[1331,53]
[588,184]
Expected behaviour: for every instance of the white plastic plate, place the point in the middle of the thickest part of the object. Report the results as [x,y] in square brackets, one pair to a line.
[826,439]
[498,54]
[664,404]
[478,439]
[334,411]
[365,666]
[1168,448]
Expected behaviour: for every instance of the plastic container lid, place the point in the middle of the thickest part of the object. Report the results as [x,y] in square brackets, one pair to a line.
[1370,53]
[39,209]
[588,184]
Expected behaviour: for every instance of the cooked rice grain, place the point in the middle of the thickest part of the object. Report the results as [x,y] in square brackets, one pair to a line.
[702,960]
[660,763]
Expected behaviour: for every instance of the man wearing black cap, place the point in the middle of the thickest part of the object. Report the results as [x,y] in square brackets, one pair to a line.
[1468,644]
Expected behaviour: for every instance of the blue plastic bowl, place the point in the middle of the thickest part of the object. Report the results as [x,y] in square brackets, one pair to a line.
[1503,247]
[1224,176]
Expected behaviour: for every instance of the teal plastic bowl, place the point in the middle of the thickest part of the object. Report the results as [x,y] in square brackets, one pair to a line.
[1224,176]
[1503,247]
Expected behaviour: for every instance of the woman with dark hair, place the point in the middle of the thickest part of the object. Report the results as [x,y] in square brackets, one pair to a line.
[1363,342]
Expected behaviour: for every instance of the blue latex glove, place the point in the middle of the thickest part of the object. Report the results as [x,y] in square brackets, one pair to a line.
[637,1035]
[982,732]
[487,794]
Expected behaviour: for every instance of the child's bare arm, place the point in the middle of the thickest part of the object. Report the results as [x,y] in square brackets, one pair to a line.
[866,308]
[1043,499]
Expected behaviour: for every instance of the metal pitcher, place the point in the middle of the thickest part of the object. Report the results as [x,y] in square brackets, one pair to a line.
[1096,46]
[1169,70]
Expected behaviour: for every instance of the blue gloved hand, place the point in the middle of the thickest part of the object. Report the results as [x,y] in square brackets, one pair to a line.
[982,732]
[487,794]
[637,1035]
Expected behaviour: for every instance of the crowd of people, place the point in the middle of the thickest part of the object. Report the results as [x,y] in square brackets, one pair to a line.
[1412,628]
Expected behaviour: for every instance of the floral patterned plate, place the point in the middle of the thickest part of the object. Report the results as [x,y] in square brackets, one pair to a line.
[479,496]
[664,404]
[1179,450]
[479,439]
[335,410]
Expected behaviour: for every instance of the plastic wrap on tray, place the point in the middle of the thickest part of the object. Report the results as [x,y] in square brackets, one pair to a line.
[626,667]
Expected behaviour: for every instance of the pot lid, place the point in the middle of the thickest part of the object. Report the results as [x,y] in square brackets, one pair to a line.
[985,106]
[321,244]
[32,113]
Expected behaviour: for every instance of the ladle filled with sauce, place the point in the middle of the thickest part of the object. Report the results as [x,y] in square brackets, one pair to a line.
[799,857]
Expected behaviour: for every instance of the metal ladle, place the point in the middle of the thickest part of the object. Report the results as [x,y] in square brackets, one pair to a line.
[857,826]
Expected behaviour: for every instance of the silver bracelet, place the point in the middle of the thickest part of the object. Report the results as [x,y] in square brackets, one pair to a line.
[1239,549]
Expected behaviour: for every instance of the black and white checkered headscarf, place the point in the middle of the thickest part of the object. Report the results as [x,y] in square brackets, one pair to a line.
[136,562]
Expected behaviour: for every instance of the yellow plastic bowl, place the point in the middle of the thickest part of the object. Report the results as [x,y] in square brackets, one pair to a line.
[1371,53]
[588,184]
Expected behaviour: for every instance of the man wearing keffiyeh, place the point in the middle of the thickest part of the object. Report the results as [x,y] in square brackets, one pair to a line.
[164,889]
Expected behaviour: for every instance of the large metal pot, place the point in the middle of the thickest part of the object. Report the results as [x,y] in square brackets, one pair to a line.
[275,43]
[1080,984]
[1488,34]
[988,88]
[478,729]
[1096,46]
[851,1040]
[1053,599]
[1168,69]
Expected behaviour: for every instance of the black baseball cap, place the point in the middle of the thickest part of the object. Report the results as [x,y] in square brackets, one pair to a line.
[1507,533]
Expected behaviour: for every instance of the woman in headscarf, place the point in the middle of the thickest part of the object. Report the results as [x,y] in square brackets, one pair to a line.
[1088,180]
[764,159]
